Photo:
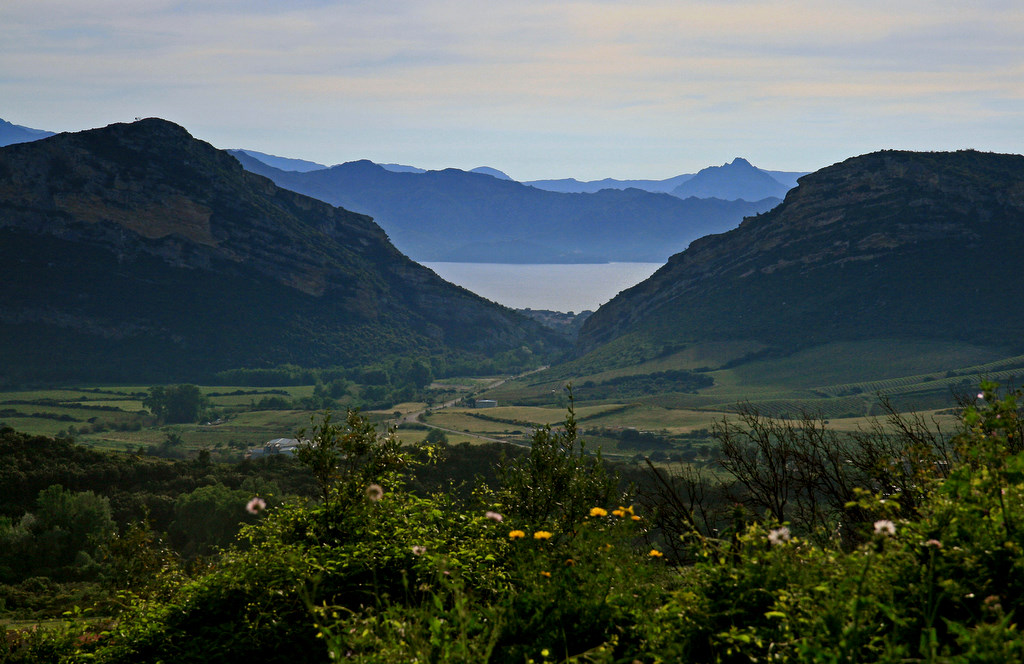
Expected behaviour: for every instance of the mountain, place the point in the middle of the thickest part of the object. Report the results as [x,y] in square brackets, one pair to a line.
[138,253]
[284,163]
[493,172]
[452,215]
[574,186]
[402,168]
[736,180]
[889,245]
[12,133]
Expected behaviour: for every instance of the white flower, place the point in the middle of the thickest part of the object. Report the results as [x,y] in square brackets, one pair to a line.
[885,527]
[256,505]
[493,516]
[419,550]
[374,492]
[778,536]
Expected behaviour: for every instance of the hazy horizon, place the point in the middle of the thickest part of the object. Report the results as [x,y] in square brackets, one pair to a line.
[539,90]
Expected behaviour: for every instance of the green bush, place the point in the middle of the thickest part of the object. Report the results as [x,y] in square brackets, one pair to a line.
[375,573]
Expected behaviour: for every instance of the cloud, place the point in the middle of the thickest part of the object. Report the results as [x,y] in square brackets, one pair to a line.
[556,78]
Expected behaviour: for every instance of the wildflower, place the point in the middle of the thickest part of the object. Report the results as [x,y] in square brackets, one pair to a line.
[374,492]
[981,395]
[516,534]
[635,517]
[934,542]
[619,513]
[546,575]
[885,527]
[778,536]
[256,505]
[419,550]
[569,562]
[626,510]
[598,511]
[656,554]
[493,516]
[542,535]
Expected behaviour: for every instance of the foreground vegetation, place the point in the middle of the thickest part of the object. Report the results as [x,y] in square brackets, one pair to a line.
[896,547]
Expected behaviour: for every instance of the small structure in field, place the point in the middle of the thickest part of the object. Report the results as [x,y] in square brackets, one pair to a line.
[486,403]
[277,446]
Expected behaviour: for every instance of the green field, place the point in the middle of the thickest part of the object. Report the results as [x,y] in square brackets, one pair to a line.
[842,382]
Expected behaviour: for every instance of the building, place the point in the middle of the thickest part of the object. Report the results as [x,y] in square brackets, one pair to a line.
[486,403]
[277,446]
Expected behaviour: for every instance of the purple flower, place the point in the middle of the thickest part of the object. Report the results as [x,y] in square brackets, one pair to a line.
[256,505]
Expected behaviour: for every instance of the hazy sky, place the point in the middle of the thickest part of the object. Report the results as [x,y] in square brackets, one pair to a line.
[539,89]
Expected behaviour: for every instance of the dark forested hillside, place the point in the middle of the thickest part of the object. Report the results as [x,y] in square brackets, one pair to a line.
[136,252]
[886,245]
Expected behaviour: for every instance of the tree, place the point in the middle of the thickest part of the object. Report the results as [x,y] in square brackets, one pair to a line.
[555,482]
[176,403]
[346,458]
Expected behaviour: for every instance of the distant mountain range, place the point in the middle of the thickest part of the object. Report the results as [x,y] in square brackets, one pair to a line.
[454,215]
[12,133]
[889,245]
[138,253]
[732,181]
[283,163]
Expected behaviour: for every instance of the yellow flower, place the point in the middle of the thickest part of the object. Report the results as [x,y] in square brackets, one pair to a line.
[516,534]
[541,535]
[627,510]
[598,511]
[570,562]
[635,517]
[619,513]
[546,575]
[656,554]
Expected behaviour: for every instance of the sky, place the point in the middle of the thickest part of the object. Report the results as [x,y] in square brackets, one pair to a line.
[539,89]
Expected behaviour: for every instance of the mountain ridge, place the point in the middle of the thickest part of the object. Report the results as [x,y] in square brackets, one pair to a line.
[891,243]
[139,243]
[452,215]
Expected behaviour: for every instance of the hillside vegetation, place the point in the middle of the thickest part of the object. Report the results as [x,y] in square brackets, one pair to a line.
[794,555]
[138,253]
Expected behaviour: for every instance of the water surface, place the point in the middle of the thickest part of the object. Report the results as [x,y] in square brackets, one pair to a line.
[556,287]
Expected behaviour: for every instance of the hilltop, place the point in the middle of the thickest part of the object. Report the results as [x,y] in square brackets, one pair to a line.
[137,252]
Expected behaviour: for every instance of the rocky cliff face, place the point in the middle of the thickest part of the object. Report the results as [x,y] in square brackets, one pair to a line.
[141,235]
[887,244]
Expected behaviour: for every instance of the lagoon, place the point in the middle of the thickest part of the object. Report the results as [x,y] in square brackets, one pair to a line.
[561,287]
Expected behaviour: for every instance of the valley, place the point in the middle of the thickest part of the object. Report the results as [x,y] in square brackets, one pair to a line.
[779,395]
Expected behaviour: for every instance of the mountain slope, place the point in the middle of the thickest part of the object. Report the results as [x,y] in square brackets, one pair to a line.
[12,133]
[453,215]
[284,163]
[887,245]
[138,252]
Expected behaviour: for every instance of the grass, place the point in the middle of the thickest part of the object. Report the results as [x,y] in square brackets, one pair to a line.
[840,381]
